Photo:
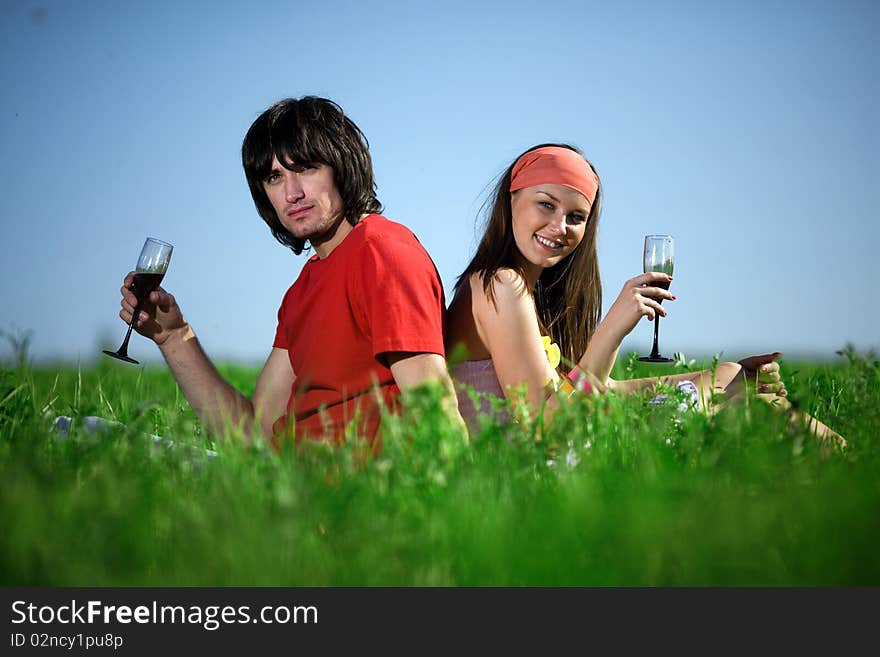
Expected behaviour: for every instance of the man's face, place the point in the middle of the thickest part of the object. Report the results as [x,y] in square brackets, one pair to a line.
[305,199]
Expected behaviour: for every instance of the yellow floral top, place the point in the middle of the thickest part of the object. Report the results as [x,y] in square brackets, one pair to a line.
[554,356]
[553,353]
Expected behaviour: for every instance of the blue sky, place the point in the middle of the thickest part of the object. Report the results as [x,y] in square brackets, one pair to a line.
[747,130]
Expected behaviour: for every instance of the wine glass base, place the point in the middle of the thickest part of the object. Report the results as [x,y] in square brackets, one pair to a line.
[658,359]
[121,357]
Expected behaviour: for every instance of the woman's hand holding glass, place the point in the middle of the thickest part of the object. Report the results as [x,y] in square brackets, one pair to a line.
[638,298]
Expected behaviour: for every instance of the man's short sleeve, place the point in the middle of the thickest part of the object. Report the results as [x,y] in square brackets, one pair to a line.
[400,296]
[280,331]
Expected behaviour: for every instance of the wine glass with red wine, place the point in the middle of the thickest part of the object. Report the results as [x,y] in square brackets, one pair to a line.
[151,268]
[659,256]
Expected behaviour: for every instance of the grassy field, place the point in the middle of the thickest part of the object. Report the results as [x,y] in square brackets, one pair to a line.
[616,492]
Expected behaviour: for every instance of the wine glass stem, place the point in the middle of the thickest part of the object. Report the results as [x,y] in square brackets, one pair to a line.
[123,348]
[655,352]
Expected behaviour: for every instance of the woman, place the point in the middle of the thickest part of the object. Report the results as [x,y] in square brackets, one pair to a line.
[534,284]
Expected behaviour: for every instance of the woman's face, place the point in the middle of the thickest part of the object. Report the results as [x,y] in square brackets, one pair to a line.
[549,221]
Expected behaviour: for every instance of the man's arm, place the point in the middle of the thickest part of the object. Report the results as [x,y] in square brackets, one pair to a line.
[273,390]
[217,403]
[413,369]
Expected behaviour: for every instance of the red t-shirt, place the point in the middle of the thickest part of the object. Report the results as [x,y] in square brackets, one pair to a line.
[378,291]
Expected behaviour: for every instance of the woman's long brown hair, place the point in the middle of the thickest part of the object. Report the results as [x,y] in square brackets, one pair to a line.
[568,296]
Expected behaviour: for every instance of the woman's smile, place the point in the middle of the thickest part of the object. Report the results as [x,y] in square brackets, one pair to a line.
[550,244]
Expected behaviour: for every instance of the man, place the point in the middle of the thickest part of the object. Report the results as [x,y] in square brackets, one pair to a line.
[364,319]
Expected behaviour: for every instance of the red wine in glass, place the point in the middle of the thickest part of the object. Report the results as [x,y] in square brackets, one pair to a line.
[659,255]
[151,268]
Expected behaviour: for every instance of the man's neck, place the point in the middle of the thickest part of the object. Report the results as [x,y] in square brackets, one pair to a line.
[325,245]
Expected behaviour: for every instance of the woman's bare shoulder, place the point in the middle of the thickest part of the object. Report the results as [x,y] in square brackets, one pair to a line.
[506,283]
[507,295]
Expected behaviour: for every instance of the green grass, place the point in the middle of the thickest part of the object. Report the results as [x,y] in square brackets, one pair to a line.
[633,497]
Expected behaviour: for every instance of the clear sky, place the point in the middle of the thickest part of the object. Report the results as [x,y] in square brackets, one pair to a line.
[748,130]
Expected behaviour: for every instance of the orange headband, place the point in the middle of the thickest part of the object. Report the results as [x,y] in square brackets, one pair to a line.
[557,166]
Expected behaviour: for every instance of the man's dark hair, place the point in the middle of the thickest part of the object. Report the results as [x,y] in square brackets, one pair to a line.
[309,130]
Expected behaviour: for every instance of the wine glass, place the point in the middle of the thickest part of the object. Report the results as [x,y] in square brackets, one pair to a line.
[659,256]
[151,267]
